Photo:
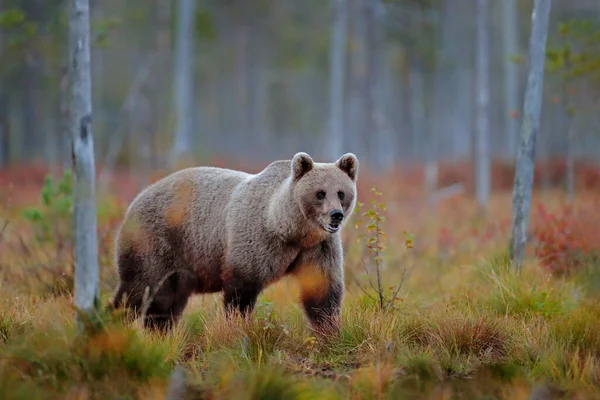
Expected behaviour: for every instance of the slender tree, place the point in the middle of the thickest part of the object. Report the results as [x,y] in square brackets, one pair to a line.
[84,197]
[337,69]
[3,110]
[482,134]
[184,50]
[532,109]
[510,22]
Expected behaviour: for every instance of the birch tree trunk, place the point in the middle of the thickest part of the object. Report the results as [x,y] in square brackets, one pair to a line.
[417,109]
[4,126]
[375,74]
[337,69]
[482,137]
[532,110]
[570,156]
[184,51]
[511,73]
[84,197]
[4,143]
[356,116]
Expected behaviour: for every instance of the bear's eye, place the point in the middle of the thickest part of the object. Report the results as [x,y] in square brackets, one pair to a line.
[320,195]
[341,195]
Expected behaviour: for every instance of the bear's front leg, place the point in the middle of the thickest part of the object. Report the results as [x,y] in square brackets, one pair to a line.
[239,292]
[323,306]
[321,276]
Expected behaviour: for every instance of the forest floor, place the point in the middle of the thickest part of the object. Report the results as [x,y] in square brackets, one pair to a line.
[463,324]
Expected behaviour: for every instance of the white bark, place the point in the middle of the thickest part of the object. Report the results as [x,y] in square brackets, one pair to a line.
[511,73]
[373,41]
[482,137]
[337,73]
[86,250]
[417,109]
[532,110]
[184,54]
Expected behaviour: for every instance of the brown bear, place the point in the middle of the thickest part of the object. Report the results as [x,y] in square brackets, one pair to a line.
[207,229]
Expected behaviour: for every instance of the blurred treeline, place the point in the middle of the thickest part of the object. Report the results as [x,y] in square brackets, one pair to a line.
[260,79]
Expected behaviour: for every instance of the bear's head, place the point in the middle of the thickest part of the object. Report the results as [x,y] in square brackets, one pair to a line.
[325,192]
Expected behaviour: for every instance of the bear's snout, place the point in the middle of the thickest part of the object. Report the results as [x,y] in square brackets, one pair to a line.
[336,216]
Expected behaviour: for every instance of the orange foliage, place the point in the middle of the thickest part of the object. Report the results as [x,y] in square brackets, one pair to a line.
[564,239]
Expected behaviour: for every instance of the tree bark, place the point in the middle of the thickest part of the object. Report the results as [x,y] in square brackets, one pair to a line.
[482,137]
[337,69]
[511,74]
[4,130]
[184,51]
[356,115]
[374,110]
[86,250]
[4,114]
[532,109]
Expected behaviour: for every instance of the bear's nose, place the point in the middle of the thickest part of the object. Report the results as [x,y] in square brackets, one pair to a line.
[336,215]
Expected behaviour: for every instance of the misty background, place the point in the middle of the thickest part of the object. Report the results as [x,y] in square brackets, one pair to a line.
[397,82]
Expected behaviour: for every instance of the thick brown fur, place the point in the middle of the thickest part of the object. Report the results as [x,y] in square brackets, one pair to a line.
[206,230]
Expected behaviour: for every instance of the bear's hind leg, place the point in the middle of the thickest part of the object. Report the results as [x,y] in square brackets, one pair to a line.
[169,302]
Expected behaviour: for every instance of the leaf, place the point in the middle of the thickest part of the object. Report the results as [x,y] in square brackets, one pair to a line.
[11,18]
[204,25]
[32,214]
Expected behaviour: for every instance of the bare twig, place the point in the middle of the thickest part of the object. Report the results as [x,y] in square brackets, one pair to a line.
[398,288]
[364,291]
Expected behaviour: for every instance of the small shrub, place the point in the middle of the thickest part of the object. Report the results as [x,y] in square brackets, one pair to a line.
[561,241]
[52,221]
[375,236]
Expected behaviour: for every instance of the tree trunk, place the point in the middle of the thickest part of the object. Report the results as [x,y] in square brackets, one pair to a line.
[511,74]
[32,140]
[337,69]
[356,115]
[184,54]
[532,109]
[29,112]
[417,109]
[241,39]
[4,130]
[570,156]
[4,124]
[84,197]
[374,110]
[482,137]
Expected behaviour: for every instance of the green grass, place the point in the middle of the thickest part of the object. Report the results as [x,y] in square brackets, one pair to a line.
[464,327]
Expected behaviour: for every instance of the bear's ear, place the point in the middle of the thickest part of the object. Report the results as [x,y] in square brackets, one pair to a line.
[349,164]
[301,164]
